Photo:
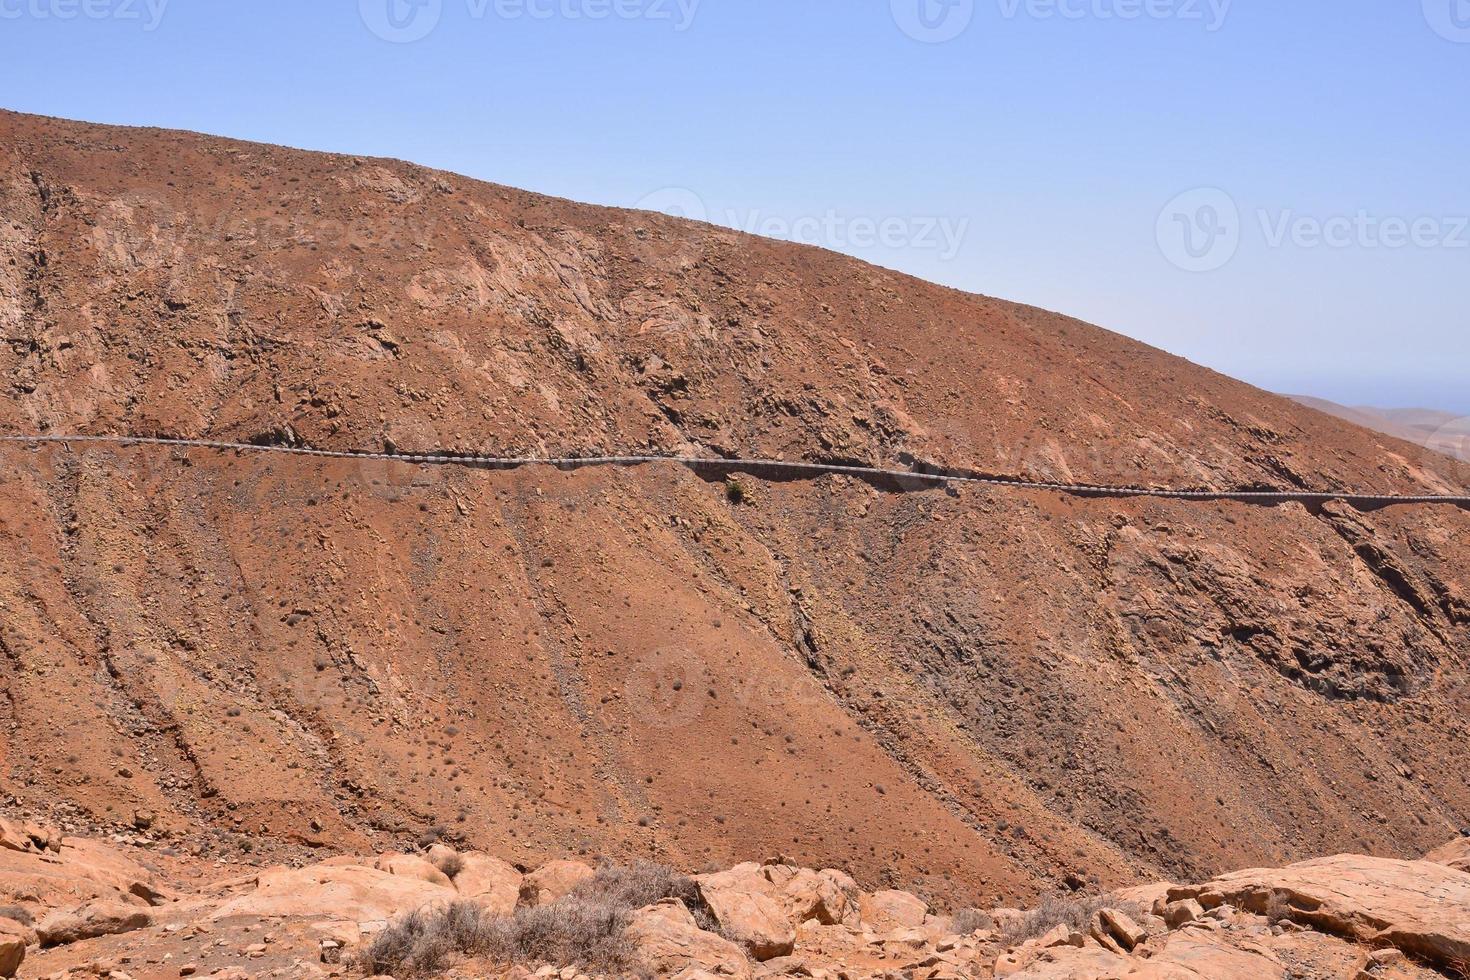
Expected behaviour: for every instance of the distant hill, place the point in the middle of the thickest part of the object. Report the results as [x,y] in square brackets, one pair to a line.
[1443,432]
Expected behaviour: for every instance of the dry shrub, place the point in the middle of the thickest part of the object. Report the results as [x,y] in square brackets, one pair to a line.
[451,865]
[415,945]
[1074,913]
[1278,908]
[644,883]
[17,913]
[584,929]
[967,921]
[573,931]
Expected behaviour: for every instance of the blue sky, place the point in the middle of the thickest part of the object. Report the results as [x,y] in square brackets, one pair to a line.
[1278,190]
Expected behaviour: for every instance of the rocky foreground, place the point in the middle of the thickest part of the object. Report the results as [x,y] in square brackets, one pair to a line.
[79,907]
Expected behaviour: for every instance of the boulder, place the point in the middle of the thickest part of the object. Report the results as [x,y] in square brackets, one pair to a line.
[669,942]
[26,934]
[1066,963]
[105,865]
[1143,896]
[74,871]
[1195,954]
[829,897]
[744,904]
[365,897]
[1455,854]
[442,856]
[553,881]
[887,910]
[490,881]
[1179,913]
[413,866]
[12,954]
[15,837]
[1121,927]
[99,917]
[1419,907]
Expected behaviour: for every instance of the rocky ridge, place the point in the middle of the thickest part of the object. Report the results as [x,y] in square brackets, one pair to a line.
[82,908]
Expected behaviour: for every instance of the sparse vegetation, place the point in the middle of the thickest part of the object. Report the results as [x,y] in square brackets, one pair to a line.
[451,865]
[17,913]
[967,921]
[1074,913]
[584,929]
[736,492]
[644,883]
[1278,908]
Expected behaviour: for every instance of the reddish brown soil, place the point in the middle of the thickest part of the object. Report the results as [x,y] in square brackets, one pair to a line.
[968,692]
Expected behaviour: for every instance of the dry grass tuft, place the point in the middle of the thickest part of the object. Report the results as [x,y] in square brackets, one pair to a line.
[451,865]
[967,921]
[585,929]
[1074,913]
[18,914]
[644,883]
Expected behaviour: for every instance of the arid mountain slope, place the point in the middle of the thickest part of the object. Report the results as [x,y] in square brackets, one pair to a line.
[968,693]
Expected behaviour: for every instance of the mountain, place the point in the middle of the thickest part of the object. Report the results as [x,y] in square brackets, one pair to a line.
[969,692]
[1443,432]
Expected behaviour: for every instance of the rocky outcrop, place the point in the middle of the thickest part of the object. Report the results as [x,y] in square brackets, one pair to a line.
[96,918]
[779,920]
[552,881]
[749,910]
[670,943]
[1419,907]
[890,909]
[356,897]
[1455,854]
[490,881]
[413,866]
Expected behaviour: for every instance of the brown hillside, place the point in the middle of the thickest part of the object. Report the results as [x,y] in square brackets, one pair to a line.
[972,691]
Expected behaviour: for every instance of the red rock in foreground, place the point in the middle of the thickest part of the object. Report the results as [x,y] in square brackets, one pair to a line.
[1346,916]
